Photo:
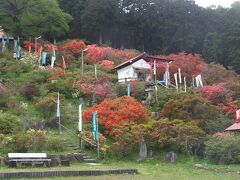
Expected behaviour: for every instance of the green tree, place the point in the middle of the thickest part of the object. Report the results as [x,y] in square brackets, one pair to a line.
[33,17]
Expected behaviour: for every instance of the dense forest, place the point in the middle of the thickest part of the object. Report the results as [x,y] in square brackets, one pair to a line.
[153,26]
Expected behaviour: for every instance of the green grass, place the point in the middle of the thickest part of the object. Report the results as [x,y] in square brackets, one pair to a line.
[150,170]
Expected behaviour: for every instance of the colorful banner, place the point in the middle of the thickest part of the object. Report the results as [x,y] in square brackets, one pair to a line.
[185,84]
[129,89]
[238,114]
[180,75]
[176,80]
[95,71]
[64,63]
[167,75]
[54,53]
[58,107]
[15,45]
[44,58]
[95,126]
[19,52]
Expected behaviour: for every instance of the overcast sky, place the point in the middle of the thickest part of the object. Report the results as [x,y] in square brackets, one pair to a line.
[206,3]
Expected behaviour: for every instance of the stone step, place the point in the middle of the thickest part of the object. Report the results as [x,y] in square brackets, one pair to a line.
[71,145]
[86,157]
[80,154]
[90,160]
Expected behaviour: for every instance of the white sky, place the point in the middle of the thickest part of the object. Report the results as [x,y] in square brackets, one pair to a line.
[206,3]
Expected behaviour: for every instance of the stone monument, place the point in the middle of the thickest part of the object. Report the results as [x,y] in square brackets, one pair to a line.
[143,150]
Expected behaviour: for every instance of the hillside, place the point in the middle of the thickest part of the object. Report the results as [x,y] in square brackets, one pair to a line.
[186,119]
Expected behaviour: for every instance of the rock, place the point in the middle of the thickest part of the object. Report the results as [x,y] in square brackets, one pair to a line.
[155,115]
[150,154]
[55,161]
[143,150]
[171,157]
[201,166]
[71,157]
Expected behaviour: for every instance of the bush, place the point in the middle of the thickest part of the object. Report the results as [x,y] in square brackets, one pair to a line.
[29,141]
[137,90]
[215,73]
[8,123]
[128,138]
[47,105]
[174,135]
[55,144]
[223,149]
[117,112]
[19,143]
[193,108]
[30,91]
[62,86]
[92,144]
[177,135]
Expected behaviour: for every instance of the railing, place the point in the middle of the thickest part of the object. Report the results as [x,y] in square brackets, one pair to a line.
[81,137]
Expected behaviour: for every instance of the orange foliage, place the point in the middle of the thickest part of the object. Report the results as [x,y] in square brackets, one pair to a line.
[190,64]
[98,54]
[107,65]
[117,112]
[74,47]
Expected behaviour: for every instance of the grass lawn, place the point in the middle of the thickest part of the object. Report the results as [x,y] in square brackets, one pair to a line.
[151,170]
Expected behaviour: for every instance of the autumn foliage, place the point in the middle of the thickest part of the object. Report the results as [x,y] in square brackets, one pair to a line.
[98,54]
[106,64]
[220,95]
[74,47]
[117,112]
[190,64]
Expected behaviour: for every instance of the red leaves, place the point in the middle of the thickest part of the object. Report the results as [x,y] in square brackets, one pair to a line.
[50,47]
[107,65]
[114,113]
[98,54]
[74,47]
[26,44]
[221,96]
[190,64]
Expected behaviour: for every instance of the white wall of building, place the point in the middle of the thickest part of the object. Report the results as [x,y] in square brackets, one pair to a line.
[128,71]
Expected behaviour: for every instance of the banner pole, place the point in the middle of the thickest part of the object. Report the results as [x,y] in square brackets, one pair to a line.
[98,154]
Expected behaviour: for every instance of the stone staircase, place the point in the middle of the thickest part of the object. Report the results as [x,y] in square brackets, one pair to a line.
[83,156]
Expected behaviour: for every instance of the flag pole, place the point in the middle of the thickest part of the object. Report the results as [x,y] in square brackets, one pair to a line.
[98,152]
[59,125]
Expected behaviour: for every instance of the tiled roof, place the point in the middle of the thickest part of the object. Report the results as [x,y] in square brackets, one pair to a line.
[141,56]
[234,127]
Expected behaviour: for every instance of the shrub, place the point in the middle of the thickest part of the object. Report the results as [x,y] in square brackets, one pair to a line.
[177,134]
[223,149]
[8,123]
[92,144]
[220,95]
[137,90]
[20,142]
[73,47]
[128,138]
[29,141]
[62,86]
[47,105]
[114,113]
[215,73]
[30,91]
[55,143]
[193,108]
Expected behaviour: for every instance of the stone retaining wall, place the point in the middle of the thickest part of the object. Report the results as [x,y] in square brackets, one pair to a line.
[5,175]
